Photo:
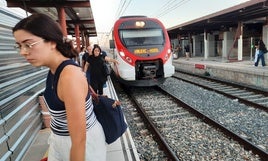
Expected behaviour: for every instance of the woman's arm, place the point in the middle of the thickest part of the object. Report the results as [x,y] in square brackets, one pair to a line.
[110,60]
[72,90]
[86,67]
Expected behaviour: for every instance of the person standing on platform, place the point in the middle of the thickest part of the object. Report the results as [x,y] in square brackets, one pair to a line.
[104,54]
[84,60]
[187,51]
[80,56]
[95,65]
[88,52]
[76,133]
[176,52]
[259,53]
[256,54]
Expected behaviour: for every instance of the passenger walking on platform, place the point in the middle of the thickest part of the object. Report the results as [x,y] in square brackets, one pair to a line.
[95,65]
[259,53]
[104,54]
[86,55]
[80,56]
[187,51]
[256,54]
[176,52]
[76,133]
[84,60]
[76,58]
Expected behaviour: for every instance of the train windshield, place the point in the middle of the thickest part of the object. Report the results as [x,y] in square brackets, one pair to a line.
[145,37]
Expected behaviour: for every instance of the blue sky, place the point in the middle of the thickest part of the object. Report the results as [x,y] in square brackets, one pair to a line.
[170,12]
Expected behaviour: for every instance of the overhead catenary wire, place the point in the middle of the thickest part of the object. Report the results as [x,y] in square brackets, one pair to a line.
[118,12]
[165,9]
[123,11]
[170,6]
[122,7]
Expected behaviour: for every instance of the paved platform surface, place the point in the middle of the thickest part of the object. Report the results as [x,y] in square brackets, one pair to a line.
[38,149]
[219,62]
[236,71]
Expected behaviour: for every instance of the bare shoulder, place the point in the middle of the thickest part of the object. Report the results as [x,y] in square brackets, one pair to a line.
[72,82]
[72,73]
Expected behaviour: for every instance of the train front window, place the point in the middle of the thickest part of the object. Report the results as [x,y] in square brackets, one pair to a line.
[143,37]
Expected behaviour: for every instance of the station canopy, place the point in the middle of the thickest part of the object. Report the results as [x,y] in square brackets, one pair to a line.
[77,12]
[250,12]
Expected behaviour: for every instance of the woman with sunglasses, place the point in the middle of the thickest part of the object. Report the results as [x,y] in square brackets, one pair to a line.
[76,133]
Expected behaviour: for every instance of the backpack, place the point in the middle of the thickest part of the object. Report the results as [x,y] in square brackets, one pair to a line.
[265,51]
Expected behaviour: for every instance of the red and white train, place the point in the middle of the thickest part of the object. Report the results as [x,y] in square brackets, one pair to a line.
[142,48]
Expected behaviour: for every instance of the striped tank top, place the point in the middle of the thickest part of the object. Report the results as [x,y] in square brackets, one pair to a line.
[56,107]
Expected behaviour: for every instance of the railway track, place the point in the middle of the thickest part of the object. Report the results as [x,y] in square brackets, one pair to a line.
[245,94]
[147,147]
[185,134]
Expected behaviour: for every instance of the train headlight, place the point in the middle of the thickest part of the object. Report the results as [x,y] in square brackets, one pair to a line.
[140,24]
[122,54]
[168,54]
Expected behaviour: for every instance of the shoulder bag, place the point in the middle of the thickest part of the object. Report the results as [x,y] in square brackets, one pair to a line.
[110,115]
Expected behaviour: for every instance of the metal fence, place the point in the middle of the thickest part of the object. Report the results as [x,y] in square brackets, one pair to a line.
[20,86]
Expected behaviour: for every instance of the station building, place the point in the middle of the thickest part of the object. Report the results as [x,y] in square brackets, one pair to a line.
[229,34]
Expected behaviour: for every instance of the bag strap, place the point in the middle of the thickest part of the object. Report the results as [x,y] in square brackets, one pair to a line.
[96,99]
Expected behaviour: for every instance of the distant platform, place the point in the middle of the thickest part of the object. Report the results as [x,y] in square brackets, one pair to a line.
[236,71]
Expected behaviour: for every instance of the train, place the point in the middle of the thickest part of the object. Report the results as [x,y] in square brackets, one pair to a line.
[142,47]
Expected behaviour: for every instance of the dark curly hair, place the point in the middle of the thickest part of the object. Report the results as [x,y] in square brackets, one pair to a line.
[45,27]
[94,47]
[261,45]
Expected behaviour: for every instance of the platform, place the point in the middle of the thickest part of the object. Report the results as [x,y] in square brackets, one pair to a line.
[123,149]
[236,71]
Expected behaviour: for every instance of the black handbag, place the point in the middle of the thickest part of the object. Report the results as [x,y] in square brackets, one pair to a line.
[110,115]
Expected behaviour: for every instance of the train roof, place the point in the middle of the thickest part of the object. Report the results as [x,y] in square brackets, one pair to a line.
[134,16]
